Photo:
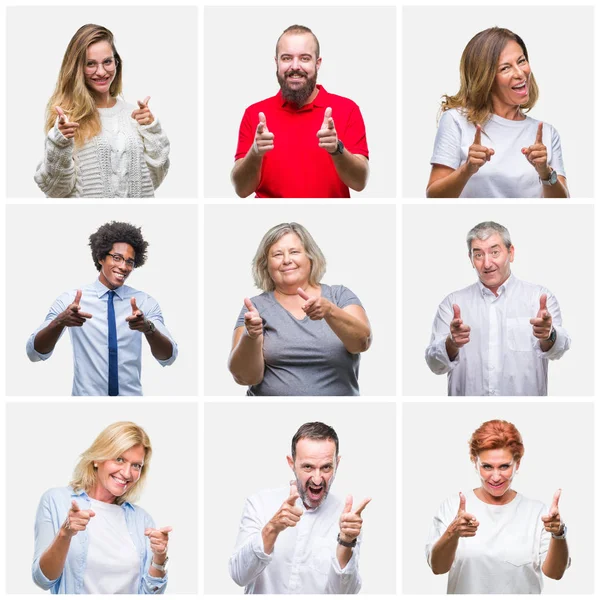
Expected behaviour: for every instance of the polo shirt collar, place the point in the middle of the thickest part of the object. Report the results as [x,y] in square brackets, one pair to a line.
[321,101]
[101,289]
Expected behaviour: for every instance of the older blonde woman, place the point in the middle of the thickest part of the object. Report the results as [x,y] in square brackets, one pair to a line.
[89,537]
[299,337]
[494,540]
[486,146]
[97,146]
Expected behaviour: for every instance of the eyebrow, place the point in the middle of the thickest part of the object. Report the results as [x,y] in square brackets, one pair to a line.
[507,63]
[481,249]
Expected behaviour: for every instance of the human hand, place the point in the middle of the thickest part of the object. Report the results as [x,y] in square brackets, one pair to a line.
[542,324]
[77,520]
[159,540]
[478,154]
[67,128]
[316,307]
[351,521]
[72,316]
[263,139]
[143,115]
[289,514]
[328,139]
[537,154]
[252,321]
[464,524]
[552,521]
[459,332]
[137,321]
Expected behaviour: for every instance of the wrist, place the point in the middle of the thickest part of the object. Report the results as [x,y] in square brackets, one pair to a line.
[344,540]
[150,327]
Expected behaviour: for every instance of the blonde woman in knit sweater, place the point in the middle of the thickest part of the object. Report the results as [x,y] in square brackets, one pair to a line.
[97,146]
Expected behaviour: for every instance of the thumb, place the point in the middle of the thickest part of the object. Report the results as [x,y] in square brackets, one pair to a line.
[262,122]
[293,493]
[147,531]
[134,307]
[74,506]
[303,294]
[348,505]
[456,309]
[146,100]
[91,513]
[543,300]
[327,121]
[477,138]
[61,115]
[462,506]
[166,529]
[249,305]
[540,133]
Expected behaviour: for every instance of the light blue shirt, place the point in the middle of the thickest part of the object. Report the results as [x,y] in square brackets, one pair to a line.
[51,514]
[90,342]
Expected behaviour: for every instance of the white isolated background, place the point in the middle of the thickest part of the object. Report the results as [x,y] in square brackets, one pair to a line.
[47,253]
[359,245]
[43,445]
[554,247]
[245,449]
[559,453]
[559,41]
[158,45]
[358,48]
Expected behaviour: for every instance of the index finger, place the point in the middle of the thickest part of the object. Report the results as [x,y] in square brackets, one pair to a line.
[144,103]
[303,294]
[61,114]
[477,138]
[540,129]
[77,297]
[362,506]
[134,307]
[166,530]
[555,499]
[248,304]
[74,506]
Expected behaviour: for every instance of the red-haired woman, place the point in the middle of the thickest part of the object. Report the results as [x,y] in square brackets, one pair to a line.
[493,540]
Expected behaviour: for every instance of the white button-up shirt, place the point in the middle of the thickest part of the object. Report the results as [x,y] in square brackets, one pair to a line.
[502,358]
[90,342]
[303,560]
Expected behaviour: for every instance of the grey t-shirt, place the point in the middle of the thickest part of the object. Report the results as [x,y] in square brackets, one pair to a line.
[304,357]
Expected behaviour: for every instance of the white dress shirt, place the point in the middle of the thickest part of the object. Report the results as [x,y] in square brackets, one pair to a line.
[90,342]
[502,358]
[303,560]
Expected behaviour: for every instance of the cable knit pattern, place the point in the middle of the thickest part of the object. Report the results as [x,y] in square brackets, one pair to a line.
[125,160]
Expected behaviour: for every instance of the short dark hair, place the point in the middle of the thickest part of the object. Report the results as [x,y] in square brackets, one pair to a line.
[114,232]
[315,431]
[299,29]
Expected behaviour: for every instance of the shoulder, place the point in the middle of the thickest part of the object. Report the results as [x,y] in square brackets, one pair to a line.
[336,292]
[261,105]
[270,496]
[458,295]
[548,127]
[263,301]
[453,115]
[449,506]
[141,514]
[533,288]
[57,496]
[337,100]
[531,505]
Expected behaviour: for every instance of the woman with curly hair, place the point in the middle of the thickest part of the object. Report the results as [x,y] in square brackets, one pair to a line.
[107,320]
[98,146]
[486,146]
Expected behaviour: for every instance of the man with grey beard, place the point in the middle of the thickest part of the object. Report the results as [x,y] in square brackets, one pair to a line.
[304,142]
[317,535]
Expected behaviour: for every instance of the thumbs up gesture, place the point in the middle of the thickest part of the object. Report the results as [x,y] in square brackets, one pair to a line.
[77,520]
[73,316]
[263,139]
[315,307]
[351,520]
[67,128]
[459,332]
[552,521]
[137,321]
[478,154]
[289,514]
[537,154]
[542,324]
[252,320]
[328,139]
[464,524]
[143,115]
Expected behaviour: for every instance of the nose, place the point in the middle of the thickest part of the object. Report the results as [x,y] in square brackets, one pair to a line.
[287,258]
[487,261]
[317,478]
[126,471]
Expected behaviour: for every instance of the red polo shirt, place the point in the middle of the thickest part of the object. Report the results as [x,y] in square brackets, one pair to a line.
[297,167]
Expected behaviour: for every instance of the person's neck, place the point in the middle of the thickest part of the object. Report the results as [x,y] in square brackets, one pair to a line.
[484,496]
[105,100]
[290,292]
[495,289]
[102,495]
[506,111]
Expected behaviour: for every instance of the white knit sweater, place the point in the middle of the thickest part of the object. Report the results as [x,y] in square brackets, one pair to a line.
[125,160]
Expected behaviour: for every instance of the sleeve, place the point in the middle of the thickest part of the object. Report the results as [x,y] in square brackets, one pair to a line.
[60,305]
[436,355]
[344,297]
[441,521]
[249,559]
[240,319]
[446,148]
[246,135]
[556,162]
[44,532]
[346,580]
[55,175]
[156,151]
[149,584]
[563,341]
[152,312]
[354,137]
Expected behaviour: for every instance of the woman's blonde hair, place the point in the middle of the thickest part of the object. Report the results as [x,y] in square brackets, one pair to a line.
[260,262]
[71,92]
[109,445]
[478,66]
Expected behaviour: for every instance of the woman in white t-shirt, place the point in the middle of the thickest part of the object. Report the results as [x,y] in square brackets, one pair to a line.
[89,537]
[493,540]
[486,147]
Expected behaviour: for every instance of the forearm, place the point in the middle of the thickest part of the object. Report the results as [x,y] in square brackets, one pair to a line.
[159,560]
[557,559]
[344,577]
[269,537]
[245,174]
[451,348]
[45,339]
[246,361]
[354,334]
[161,348]
[52,561]
[353,169]
[558,190]
[450,186]
[443,553]
[343,555]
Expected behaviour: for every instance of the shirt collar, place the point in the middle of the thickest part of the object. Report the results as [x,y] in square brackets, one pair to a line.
[83,494]
[510,282]
[101,289]
[319,102]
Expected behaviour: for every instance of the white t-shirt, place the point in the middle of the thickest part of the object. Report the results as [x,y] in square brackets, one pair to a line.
[113,564]
[508,174]
[506,554]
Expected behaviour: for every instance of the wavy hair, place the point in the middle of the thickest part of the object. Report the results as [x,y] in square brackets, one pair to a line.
[71,92]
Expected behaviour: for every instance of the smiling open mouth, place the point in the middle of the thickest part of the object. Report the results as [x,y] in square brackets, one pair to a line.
[315,492]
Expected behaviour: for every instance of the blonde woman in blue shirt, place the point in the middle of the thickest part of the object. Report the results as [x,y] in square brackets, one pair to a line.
[89,537]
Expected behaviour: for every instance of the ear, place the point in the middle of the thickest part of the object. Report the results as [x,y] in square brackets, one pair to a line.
[290,462]
[470,255]
[337,462]
[319,62]
[518,466]
[511,253]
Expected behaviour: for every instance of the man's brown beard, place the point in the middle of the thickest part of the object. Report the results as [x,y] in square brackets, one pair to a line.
[299,96]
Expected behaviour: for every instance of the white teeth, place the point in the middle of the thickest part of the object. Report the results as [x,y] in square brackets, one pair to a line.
[518,87]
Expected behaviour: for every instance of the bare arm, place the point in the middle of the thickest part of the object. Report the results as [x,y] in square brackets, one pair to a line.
[245,174]
[353,169]
[352,326]
[52,561]
[160,345]
[557,559]
[246,361]
[558,190]
[446,182]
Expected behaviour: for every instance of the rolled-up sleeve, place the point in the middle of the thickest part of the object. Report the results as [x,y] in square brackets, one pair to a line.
[56,175]
[152,312]
[44,532]
[563,341]
[436,354]
[346,580]
[150,584]
[60,305]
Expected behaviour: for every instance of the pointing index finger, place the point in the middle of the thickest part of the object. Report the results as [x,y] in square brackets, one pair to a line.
[362,506]
[477,138]
[303,294]
[540,130]
[134,307]
[555,499]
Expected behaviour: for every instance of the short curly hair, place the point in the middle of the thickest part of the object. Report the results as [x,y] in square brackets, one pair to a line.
[114,232]
[494,435]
